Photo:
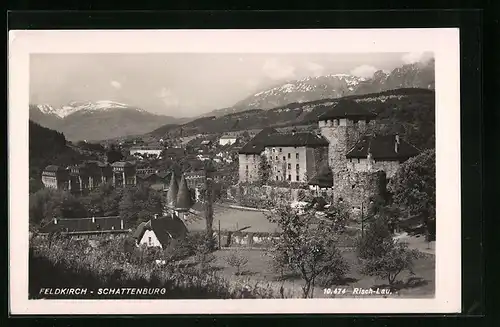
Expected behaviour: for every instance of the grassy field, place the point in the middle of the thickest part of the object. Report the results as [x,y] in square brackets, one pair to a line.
[233,219]
[421,284]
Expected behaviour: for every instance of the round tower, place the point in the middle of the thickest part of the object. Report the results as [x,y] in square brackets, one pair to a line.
[342,125]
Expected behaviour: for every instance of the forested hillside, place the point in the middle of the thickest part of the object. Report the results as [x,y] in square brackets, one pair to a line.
[47,147]
[409,112]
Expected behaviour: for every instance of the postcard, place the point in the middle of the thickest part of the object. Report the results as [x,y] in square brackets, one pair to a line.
[234,171]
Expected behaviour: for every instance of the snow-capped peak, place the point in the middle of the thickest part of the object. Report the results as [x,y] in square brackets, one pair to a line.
[75,106]
[46,109]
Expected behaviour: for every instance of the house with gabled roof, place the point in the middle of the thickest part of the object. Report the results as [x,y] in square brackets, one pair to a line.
[159,231]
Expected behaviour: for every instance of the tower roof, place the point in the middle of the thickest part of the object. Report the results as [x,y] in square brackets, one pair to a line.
[347,109]
[183,202]
[173,189]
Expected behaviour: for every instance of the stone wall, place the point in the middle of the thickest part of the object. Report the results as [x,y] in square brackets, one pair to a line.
[357,188]
[362,165]
[245,195]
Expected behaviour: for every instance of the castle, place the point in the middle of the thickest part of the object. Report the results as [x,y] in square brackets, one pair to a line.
[360,163]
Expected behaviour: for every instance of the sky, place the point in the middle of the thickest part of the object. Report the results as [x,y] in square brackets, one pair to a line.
[186,85]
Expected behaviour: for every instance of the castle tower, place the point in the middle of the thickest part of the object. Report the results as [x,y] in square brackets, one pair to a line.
[183,201]
[173,189]
[342,125]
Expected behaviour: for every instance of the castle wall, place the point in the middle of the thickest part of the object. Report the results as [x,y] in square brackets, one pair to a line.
[362,165]
[357,188]
[390,167]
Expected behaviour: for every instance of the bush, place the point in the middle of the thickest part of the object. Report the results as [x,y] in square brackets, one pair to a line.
[73,263]
[236,260]
[394,259]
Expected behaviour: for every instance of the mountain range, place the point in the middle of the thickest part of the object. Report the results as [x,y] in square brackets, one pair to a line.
[98,120]
[105,119]
[415,75]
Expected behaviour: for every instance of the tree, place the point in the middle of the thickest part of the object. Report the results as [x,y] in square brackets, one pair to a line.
[371,244]
[113,155]
[209,198]
[414,189]
[237,260]
[307,246]
[394,258]
[140,203]
[264,170]
[46,204]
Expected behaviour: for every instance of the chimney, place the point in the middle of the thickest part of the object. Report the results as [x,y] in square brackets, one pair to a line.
[93,220]
[156,215]
[396,144]
[55,221]
[121,224]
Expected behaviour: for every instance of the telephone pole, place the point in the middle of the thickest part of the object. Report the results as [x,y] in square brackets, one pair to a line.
[362,220]
[209,210]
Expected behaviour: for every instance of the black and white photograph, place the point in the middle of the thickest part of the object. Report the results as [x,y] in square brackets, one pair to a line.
[216,170]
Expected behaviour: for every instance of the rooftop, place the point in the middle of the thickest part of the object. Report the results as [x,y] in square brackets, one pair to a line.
[294,139]
[53,168]
[165,228]
[122,164]
[324,178]
[84,224]
[382,147]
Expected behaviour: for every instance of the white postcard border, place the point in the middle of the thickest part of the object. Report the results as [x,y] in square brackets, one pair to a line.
[444,43]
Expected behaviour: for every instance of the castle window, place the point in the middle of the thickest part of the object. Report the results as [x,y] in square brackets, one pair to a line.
[289,166]
[274,150]
[276,157]
[289,156]
[276,177]
[281,150]
[247,167]
[297,156]
[284,158]
[289,177]
[297,178]
[358,160]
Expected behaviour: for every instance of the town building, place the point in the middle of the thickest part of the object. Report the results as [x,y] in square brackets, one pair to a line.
[227,140]
[174,153]
[157,181]
[292,157]
[361,161]
[124,174]
[150,151]
[55,177]
[89,175]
